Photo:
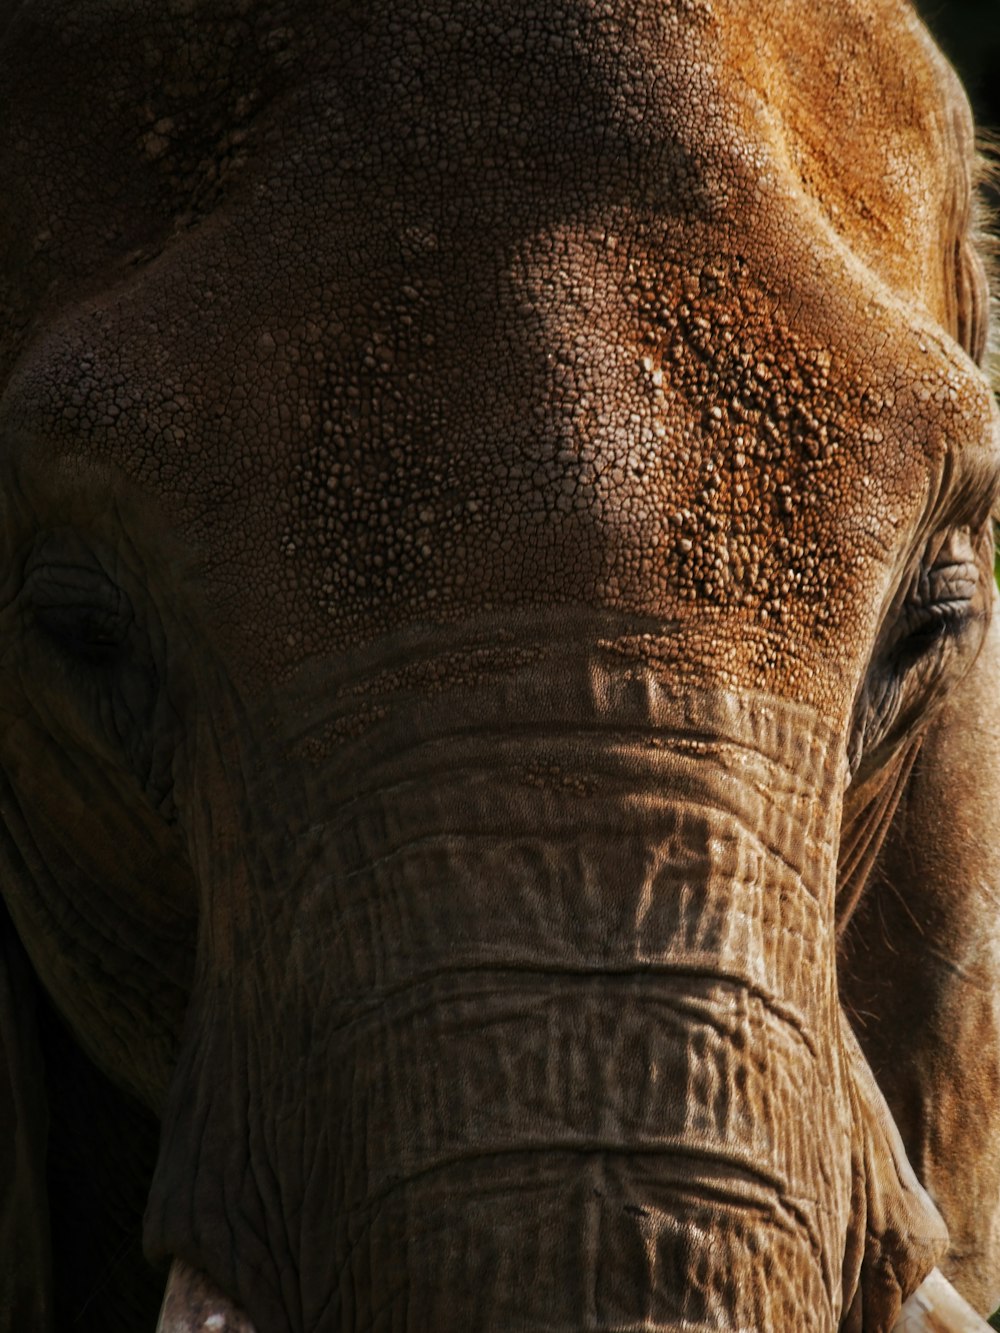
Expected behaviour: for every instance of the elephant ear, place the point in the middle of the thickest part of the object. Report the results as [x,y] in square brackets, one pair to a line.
[25,1266]
[920,962]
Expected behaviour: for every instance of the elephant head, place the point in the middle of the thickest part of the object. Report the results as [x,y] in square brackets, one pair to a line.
[499,718]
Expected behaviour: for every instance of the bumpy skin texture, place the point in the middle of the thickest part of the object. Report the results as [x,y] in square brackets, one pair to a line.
[496,505]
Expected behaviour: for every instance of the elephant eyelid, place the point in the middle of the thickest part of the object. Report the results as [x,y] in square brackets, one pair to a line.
[944,581]
[950,616]
[930,628]
[83,626]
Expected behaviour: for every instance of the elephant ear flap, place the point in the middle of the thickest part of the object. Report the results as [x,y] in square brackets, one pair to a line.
[25,1261]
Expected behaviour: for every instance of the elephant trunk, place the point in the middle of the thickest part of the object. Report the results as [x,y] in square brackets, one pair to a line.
[572,1057]
[193,1304]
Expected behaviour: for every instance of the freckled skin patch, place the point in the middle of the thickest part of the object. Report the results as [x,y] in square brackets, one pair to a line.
[515,437]
[461,398]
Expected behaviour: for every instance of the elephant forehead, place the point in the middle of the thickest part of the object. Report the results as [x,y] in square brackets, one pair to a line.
[128,122]
[589,307]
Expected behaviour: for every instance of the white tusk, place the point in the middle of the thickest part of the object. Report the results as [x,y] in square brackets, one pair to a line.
[936,1307]
[192,1303]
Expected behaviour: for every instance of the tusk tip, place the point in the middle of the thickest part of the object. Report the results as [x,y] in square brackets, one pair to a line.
[193,1304]
[936,1307]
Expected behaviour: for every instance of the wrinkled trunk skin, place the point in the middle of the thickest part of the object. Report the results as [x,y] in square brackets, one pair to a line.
[571,1057]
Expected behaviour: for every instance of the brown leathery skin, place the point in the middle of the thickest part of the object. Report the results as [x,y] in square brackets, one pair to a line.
[476,481]
[493,970]
[922,953]
[467,371]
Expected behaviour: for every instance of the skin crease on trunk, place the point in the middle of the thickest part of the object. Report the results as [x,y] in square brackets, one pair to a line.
[499,719]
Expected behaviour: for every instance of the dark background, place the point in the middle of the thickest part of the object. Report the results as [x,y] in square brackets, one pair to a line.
[969,32]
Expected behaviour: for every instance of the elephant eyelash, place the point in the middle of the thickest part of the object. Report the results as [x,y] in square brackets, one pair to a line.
[83,634]
[932,628]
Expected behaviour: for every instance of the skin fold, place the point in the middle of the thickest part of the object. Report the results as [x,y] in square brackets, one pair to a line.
[499,710]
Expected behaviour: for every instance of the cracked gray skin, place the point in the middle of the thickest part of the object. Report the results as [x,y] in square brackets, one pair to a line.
[497,685]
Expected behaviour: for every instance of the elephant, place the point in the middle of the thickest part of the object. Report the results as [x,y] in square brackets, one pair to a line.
[499,705]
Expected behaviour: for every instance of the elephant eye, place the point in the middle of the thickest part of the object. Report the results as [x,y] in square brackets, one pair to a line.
[931,625]
[937,625]
[80,612]
[89,659]
[942,605]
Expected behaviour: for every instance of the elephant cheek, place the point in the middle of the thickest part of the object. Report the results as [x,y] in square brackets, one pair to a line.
[897,1234]
[193,1304]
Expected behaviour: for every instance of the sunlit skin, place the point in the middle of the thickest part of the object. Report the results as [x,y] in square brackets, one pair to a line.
[499,711]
